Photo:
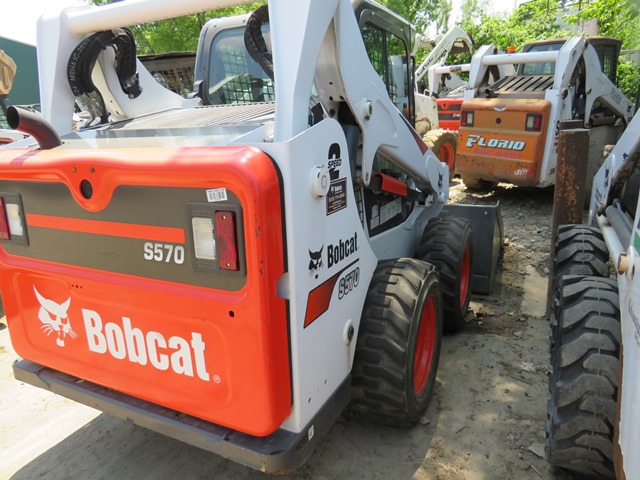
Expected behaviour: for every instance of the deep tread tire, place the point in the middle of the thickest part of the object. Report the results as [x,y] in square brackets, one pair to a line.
[581,250]
[584,381]
[383,377]
[478,184]
[443,143]
[444,243]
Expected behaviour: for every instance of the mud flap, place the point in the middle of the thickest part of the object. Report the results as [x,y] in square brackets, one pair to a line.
[486,222]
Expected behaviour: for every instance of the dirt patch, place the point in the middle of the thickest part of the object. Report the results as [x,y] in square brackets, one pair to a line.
[485,421]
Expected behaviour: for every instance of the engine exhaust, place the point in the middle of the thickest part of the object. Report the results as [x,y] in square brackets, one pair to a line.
[33,124]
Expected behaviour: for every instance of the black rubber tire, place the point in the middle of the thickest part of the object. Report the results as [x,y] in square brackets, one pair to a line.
[444,140]
[580,250]
[443,244]
[583,384]
[383,366]
[478,184]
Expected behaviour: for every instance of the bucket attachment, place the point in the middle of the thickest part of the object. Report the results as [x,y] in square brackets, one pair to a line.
[486,222]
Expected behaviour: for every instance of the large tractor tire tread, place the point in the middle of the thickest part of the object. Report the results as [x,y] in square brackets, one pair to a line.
[443,244]
[443,143]
[581,250]
[594,294]
[478,184]
[581,412]
[383,368]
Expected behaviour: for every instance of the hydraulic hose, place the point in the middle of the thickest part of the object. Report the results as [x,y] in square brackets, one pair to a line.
[254,40]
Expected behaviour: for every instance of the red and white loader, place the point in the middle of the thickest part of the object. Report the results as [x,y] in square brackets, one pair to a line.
[234,268]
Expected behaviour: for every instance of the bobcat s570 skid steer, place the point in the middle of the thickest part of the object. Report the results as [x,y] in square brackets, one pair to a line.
[233,269]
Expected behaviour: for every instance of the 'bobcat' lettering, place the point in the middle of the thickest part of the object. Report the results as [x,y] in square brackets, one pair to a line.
[131,343]
[337,253]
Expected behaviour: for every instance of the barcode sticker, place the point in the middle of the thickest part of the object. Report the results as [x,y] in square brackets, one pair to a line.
[217,195]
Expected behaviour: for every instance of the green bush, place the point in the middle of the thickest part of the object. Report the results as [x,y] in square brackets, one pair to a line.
[628,79]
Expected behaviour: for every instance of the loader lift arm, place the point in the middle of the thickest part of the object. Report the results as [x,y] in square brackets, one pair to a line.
[453,42]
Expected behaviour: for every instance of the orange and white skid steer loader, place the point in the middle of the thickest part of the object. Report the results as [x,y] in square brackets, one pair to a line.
[234,268]
[509,128]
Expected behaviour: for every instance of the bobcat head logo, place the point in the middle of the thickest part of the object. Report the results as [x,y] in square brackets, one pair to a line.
[54,318]
[315,261]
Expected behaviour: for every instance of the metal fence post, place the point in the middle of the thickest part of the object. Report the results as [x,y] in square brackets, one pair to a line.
[569,193]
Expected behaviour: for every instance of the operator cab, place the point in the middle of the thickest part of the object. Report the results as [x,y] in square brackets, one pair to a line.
[608,50]
[226,73]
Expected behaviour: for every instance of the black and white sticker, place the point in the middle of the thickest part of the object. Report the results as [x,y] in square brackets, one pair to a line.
[217,195]
[337,196]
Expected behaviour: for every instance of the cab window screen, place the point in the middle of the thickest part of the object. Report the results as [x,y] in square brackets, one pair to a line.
[234,77]
[389,56]
[544,68]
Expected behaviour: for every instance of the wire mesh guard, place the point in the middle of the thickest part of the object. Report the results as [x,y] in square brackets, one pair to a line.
[239,85]
[174,71]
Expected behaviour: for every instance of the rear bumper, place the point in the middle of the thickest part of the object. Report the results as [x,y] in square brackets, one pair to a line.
[279,452]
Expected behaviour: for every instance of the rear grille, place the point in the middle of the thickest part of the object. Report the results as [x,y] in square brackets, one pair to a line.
[524,83]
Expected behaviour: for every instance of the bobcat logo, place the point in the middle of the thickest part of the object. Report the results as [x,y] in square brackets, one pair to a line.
[54,318]
[315,261]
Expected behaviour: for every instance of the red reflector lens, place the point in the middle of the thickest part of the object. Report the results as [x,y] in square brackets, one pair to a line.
[466,118]
[4,224]
[537,123]
[534,122]
[227,243]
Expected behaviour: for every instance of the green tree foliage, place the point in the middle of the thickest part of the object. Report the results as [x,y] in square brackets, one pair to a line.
[538,20]
[529,21]
[177,34]
[618,19]
[628,79]
[423,13]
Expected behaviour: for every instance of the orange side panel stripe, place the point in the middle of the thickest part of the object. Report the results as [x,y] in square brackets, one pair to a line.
[320,297]
[113,229]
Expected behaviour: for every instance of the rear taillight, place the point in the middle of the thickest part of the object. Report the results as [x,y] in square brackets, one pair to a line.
[216,244]
[12,223]
[14,218]
[4,223]
[227,241]
[466,118]
[534,122]
[204,240]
